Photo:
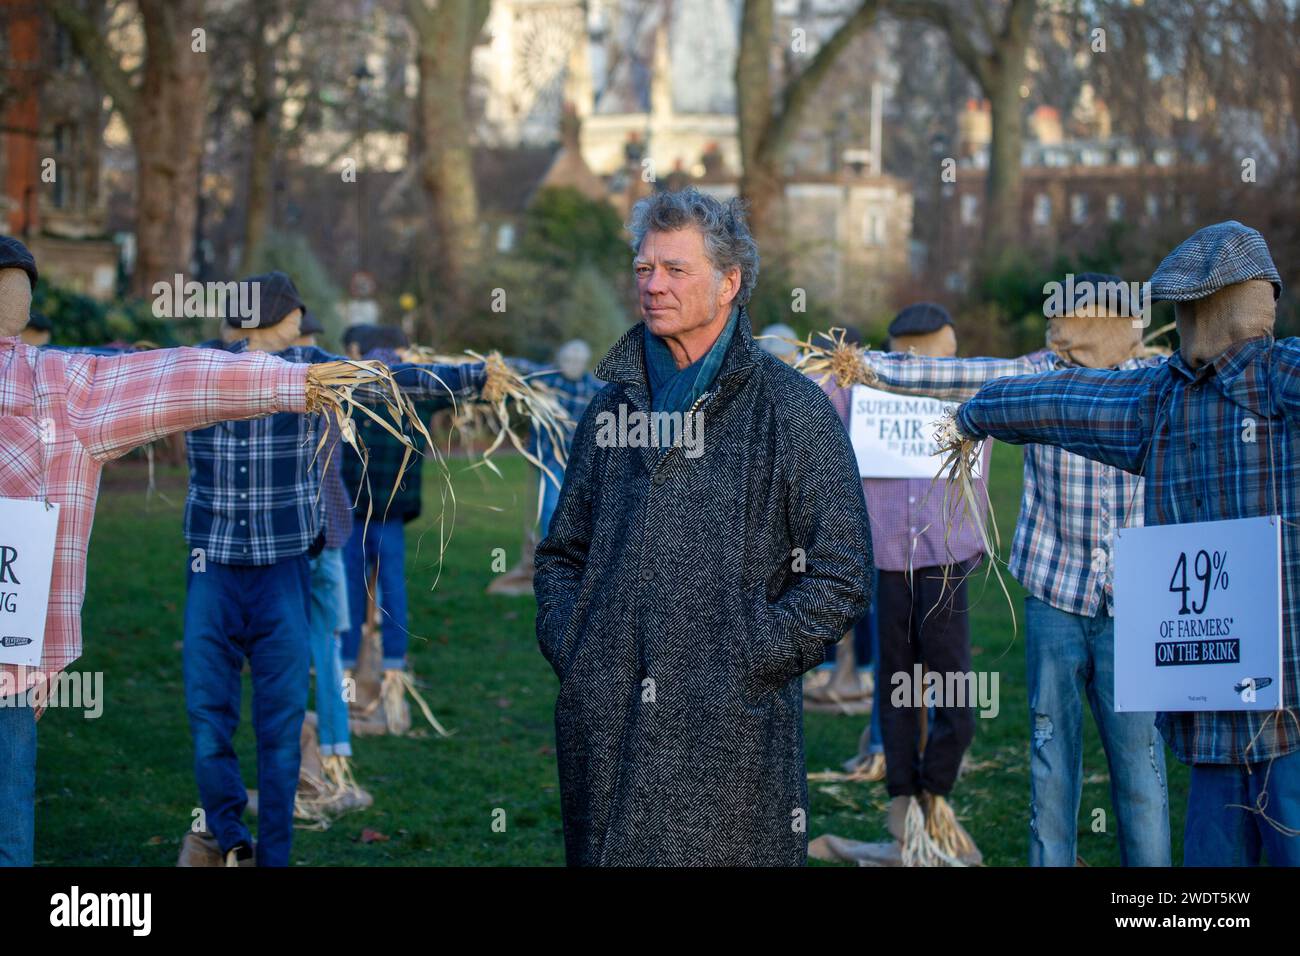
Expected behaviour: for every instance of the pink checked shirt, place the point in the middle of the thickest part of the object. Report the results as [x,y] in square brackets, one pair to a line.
[62,415]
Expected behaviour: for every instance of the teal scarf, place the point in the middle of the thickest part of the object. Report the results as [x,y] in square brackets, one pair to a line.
[676,390]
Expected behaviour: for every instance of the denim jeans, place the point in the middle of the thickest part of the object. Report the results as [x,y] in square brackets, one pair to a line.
[550,497]
[233,612]
[385,544]
[329,619]
[1067,656]
[1220,832]
[17,781]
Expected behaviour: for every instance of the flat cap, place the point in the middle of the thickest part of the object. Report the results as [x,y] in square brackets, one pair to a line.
[310,324]
[14,255]
[920,318]
[1211,259]
[277,296]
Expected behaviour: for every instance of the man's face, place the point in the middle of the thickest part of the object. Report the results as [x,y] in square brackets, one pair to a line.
[678,288]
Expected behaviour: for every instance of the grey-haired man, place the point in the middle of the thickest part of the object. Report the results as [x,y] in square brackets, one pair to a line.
[682,591]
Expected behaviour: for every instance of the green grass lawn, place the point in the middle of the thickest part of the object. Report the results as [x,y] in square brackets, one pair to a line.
[119,790]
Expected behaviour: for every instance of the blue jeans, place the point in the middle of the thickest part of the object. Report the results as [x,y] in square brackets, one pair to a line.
[1221,833]
[329,618]
[385,544]
[234,612]
[550,496]
[17,781]
[1068,656]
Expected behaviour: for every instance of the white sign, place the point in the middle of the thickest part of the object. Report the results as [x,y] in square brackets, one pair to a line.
[1198,616]
[893,435]
[27,532]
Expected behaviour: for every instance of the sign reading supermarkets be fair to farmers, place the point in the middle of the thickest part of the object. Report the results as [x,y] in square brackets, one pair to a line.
[893,435]
[1198,616]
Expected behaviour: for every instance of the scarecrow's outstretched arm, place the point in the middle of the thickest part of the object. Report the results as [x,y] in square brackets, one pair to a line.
[116,403]
[1107,416]
[953,379]
[441,384]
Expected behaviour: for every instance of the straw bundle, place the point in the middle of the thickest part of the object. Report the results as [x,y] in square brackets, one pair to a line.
[960,455]
[506,389]
[842,360]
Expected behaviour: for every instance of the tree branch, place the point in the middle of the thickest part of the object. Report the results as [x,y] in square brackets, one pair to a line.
[91,46]
[800,91]
[937,13]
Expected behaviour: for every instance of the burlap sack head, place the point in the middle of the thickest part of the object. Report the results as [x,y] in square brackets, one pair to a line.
[15,301]
[1208,327]
[941,343]
[1094,340]
[273,338]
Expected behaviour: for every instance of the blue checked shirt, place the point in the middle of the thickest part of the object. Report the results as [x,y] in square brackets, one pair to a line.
[573,396]
[1069,507]
[1183,430]
[254,494]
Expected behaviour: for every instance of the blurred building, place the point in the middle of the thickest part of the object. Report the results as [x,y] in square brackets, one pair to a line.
[1073,188]
[50,143]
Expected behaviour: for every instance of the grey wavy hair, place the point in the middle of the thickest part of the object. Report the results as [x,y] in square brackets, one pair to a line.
[727,240]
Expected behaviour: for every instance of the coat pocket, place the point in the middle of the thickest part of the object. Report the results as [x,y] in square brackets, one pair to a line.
[753,644]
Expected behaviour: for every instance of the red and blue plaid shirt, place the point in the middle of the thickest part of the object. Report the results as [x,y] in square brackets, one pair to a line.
[63,415]
[1213,443]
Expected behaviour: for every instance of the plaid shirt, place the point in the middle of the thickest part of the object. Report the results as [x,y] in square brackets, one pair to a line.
[254,492]
[1069,506]
[100,408]
[1182,429]
[573,396]
[334,497]
[909,529]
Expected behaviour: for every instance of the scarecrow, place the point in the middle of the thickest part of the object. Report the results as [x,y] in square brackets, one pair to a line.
[253,515]
[62,415]
[924,553]
[1183,426]
[1061,555]
[573,387]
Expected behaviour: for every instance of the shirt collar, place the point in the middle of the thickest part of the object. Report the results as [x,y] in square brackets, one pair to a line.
[1228,366]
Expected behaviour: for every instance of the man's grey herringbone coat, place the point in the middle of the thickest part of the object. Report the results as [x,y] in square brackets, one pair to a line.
[680,599]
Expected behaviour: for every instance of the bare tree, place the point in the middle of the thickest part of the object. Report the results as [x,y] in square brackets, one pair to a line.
[165,109]
[765,131]
[445,39]
[994,54]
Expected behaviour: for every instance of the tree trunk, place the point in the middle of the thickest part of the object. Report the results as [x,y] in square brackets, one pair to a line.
[167,134]
[760,183]
[166,116]
[1002,190]
[261,113]
[446,37]
[765,133]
